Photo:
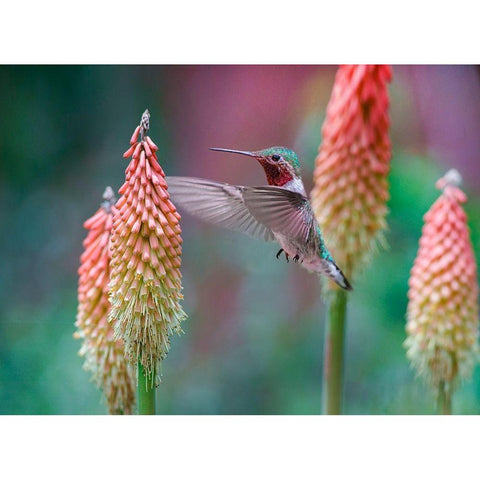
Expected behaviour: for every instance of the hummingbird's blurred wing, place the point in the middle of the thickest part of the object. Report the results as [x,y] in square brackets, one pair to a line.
[283,211]
[218,203]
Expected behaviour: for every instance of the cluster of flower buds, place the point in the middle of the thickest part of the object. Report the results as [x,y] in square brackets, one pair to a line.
[145,287]
[442,315]
[104,356]
[350,178]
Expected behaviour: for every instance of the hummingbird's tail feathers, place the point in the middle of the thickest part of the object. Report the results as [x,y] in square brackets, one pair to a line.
[331,270]
[218,203]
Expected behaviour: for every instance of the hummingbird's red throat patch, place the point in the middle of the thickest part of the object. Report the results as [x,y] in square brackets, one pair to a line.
[277,175]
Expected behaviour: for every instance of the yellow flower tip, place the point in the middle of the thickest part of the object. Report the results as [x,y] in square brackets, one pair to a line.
[442,313]
[145,287]
[350,178]
[119,394]
[104,356]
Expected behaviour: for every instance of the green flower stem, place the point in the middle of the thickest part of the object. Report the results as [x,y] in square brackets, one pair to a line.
[333,354]
[444,402]
[145,392]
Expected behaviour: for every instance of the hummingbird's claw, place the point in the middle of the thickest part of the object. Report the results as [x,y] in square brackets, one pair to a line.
[296,258]
[286,255]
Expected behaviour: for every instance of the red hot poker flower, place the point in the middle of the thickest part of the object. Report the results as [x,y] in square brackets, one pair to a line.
[145,288]
[104,356]
[442,314]
[350,178]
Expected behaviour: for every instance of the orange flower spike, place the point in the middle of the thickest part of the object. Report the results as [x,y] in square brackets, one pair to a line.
[104,356]
[145,287]
[442,314]
[350,178]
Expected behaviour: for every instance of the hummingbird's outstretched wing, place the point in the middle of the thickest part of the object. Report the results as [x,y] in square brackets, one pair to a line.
[283,211]
[218,203]
[257,211]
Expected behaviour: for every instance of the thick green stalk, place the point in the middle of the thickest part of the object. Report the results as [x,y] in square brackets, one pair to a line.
[332,390]
[444,401]
[145,392]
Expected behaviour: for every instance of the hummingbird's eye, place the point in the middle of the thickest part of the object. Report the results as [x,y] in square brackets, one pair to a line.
[276,157]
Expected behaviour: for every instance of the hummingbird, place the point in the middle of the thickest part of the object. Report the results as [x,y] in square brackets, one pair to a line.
[279,211]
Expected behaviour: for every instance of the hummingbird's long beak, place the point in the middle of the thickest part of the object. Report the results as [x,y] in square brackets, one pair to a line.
[241,152]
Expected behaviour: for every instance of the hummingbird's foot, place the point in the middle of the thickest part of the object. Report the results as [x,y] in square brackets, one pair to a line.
[296,258]
[286,254]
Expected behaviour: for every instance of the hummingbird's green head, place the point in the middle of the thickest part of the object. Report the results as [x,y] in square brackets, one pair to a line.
[281,164]
[281,155]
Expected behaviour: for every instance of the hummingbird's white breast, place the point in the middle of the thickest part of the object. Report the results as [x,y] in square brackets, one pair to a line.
[296,185]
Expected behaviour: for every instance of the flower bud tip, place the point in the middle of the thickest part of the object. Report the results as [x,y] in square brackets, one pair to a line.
[451,178]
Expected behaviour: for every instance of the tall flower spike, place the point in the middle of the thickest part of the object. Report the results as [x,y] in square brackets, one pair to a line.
[350,194]
[145,287]
[104,356]
[442,314]
[350,178]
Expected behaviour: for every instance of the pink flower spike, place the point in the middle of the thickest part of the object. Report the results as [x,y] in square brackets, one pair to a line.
[350,177]
[145,316]
[445,296]
[104,356]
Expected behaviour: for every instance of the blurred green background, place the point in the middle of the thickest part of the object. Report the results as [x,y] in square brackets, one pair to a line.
[253,342]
